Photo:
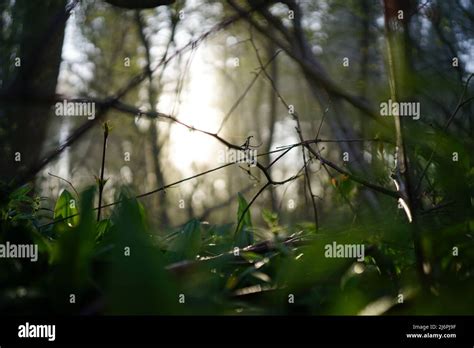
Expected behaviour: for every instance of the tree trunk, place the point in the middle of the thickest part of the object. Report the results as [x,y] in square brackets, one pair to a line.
[30,56]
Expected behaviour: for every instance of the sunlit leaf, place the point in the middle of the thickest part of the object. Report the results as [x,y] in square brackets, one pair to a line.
[66,206]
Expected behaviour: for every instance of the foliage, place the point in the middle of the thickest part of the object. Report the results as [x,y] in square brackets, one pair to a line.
[119,266]
[317,79]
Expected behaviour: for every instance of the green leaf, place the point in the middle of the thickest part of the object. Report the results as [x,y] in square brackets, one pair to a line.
[187,243]
[270,217]
[74,252]
[136,268]
[251,256]
[21,191]
[66,205]
[102,227]
[244,234]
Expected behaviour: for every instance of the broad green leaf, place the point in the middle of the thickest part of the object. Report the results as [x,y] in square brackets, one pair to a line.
[136,270]
[74,252]
[66,206]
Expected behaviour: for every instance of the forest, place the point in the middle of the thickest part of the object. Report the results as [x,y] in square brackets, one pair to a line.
[237,157]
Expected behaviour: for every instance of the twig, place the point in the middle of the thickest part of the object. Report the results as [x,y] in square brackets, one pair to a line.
[70,183]
[102,169]
[259,248]
[298,130]
[242,96]
[460,104]
[283,148]
[132,83]
[353,177]
[220,205]
[311,67]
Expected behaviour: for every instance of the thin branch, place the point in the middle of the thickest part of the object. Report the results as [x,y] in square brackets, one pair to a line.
[223,204]
[310,66]
[67,181]
[142,195]
[460,104]
[165,187]
[102,169]
[132,110]
[298,130]
[353,177]
[242,96]
[259,248]
[132,83]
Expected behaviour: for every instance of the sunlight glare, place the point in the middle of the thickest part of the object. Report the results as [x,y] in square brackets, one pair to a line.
[199,109]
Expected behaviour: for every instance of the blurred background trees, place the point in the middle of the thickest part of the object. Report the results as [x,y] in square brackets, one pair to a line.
[272,73]
[337,47]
